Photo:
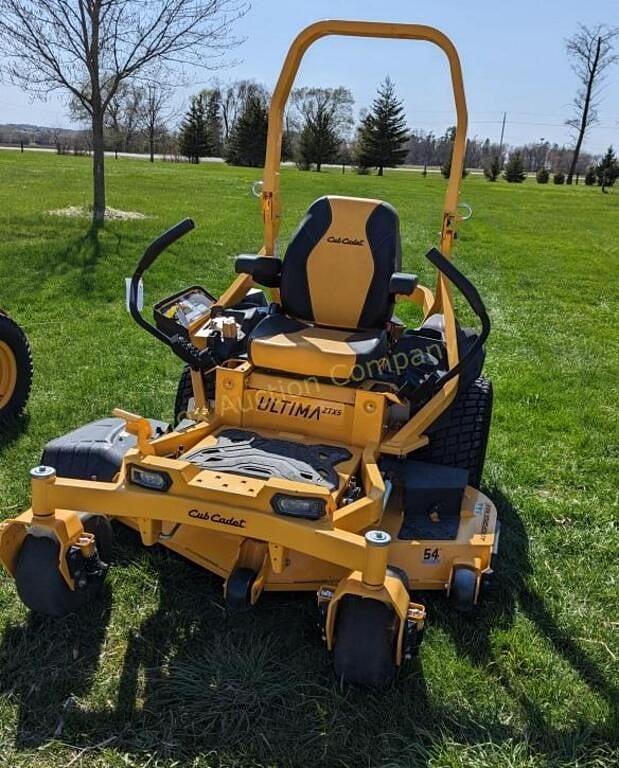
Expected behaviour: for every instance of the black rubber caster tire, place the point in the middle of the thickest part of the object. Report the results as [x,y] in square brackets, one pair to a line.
[364,642]
[15,339]
[40,584]
[462,590]
[238,589]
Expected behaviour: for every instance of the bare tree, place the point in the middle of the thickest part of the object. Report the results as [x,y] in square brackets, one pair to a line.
[88,48]
[234,98]
[591,52]
[155,114]
[122,119]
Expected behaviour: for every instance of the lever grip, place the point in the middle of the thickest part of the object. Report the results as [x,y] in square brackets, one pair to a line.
[462,283]
[161,243]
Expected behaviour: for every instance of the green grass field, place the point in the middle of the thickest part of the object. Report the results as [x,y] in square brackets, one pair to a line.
[155,675]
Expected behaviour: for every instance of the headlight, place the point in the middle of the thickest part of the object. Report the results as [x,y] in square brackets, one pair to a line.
[152,479]
[298,506]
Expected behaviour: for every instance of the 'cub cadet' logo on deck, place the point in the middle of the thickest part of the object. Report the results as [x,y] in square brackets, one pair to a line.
[345,241]
[235,522]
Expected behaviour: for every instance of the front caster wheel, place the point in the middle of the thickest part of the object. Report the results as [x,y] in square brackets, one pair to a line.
[463,588]
[41,586]
[365,639]
[238,589]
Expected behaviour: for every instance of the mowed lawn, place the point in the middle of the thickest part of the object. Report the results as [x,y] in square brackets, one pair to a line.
[155,674]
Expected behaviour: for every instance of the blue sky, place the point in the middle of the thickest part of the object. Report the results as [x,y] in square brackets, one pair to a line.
[512,54]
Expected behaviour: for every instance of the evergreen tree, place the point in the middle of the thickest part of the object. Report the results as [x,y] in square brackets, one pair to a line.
[248,140]
[325,115]
[318,143]
[214,125]
[607,170]
[558,178]
[193,139]
[543,175]
[493,169]
[383,133]
[446,168]
[514,169]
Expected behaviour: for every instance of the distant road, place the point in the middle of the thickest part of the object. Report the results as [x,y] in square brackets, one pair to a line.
[140,156]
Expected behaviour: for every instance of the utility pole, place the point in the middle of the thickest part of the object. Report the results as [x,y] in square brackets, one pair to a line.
[502,136]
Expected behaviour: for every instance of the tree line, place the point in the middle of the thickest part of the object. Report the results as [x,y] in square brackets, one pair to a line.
[114,60]
[231,122]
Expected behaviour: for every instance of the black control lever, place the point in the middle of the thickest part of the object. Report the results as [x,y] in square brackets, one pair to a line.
[471,294]
[198,359]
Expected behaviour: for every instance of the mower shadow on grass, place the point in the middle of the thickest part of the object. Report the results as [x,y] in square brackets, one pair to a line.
[13,431]
[511,590]
[46,665]
[258,687]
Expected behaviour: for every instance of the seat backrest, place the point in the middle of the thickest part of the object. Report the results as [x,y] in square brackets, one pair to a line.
[337,266]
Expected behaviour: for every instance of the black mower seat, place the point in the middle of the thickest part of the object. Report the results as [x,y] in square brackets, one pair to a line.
[336,291]
[282,343]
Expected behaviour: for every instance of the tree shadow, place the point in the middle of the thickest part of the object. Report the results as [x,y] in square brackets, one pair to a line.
[81,254]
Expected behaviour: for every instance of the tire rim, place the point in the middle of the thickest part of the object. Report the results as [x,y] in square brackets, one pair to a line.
[8,374]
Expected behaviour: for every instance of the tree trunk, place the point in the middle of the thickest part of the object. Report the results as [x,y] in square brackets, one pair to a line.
[380,170]
[98,169]
[318,166]
[585,113]
[151,144]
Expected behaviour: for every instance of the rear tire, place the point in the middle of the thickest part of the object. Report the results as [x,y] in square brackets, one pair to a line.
[365,635]
[15,353]
[460,436]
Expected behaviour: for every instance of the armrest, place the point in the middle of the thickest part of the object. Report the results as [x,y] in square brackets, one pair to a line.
[402,283]
[265,270]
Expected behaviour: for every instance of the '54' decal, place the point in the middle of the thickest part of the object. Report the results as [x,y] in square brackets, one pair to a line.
[432,555]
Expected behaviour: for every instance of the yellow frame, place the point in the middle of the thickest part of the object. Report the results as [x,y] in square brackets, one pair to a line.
[222,521]
[410,436]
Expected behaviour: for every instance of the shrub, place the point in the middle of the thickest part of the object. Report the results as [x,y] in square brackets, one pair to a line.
[590,176]
[558,178]
[542,176]
[514,170]
[493,169]
[446,168]
[607,171]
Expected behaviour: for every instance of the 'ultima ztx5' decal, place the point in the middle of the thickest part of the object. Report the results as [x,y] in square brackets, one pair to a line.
[235,522]
[292,408]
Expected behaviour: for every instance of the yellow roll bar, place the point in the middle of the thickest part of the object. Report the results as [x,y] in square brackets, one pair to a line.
[271,206]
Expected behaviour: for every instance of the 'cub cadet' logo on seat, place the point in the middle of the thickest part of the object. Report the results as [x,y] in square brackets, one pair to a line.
[345,241]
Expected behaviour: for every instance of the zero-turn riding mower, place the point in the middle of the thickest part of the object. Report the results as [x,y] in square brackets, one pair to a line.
[320,445]
[15,370]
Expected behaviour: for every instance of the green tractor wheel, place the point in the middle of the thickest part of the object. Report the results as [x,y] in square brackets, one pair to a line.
[15,370]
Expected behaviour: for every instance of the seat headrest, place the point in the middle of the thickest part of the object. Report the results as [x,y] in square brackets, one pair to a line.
[337,266]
